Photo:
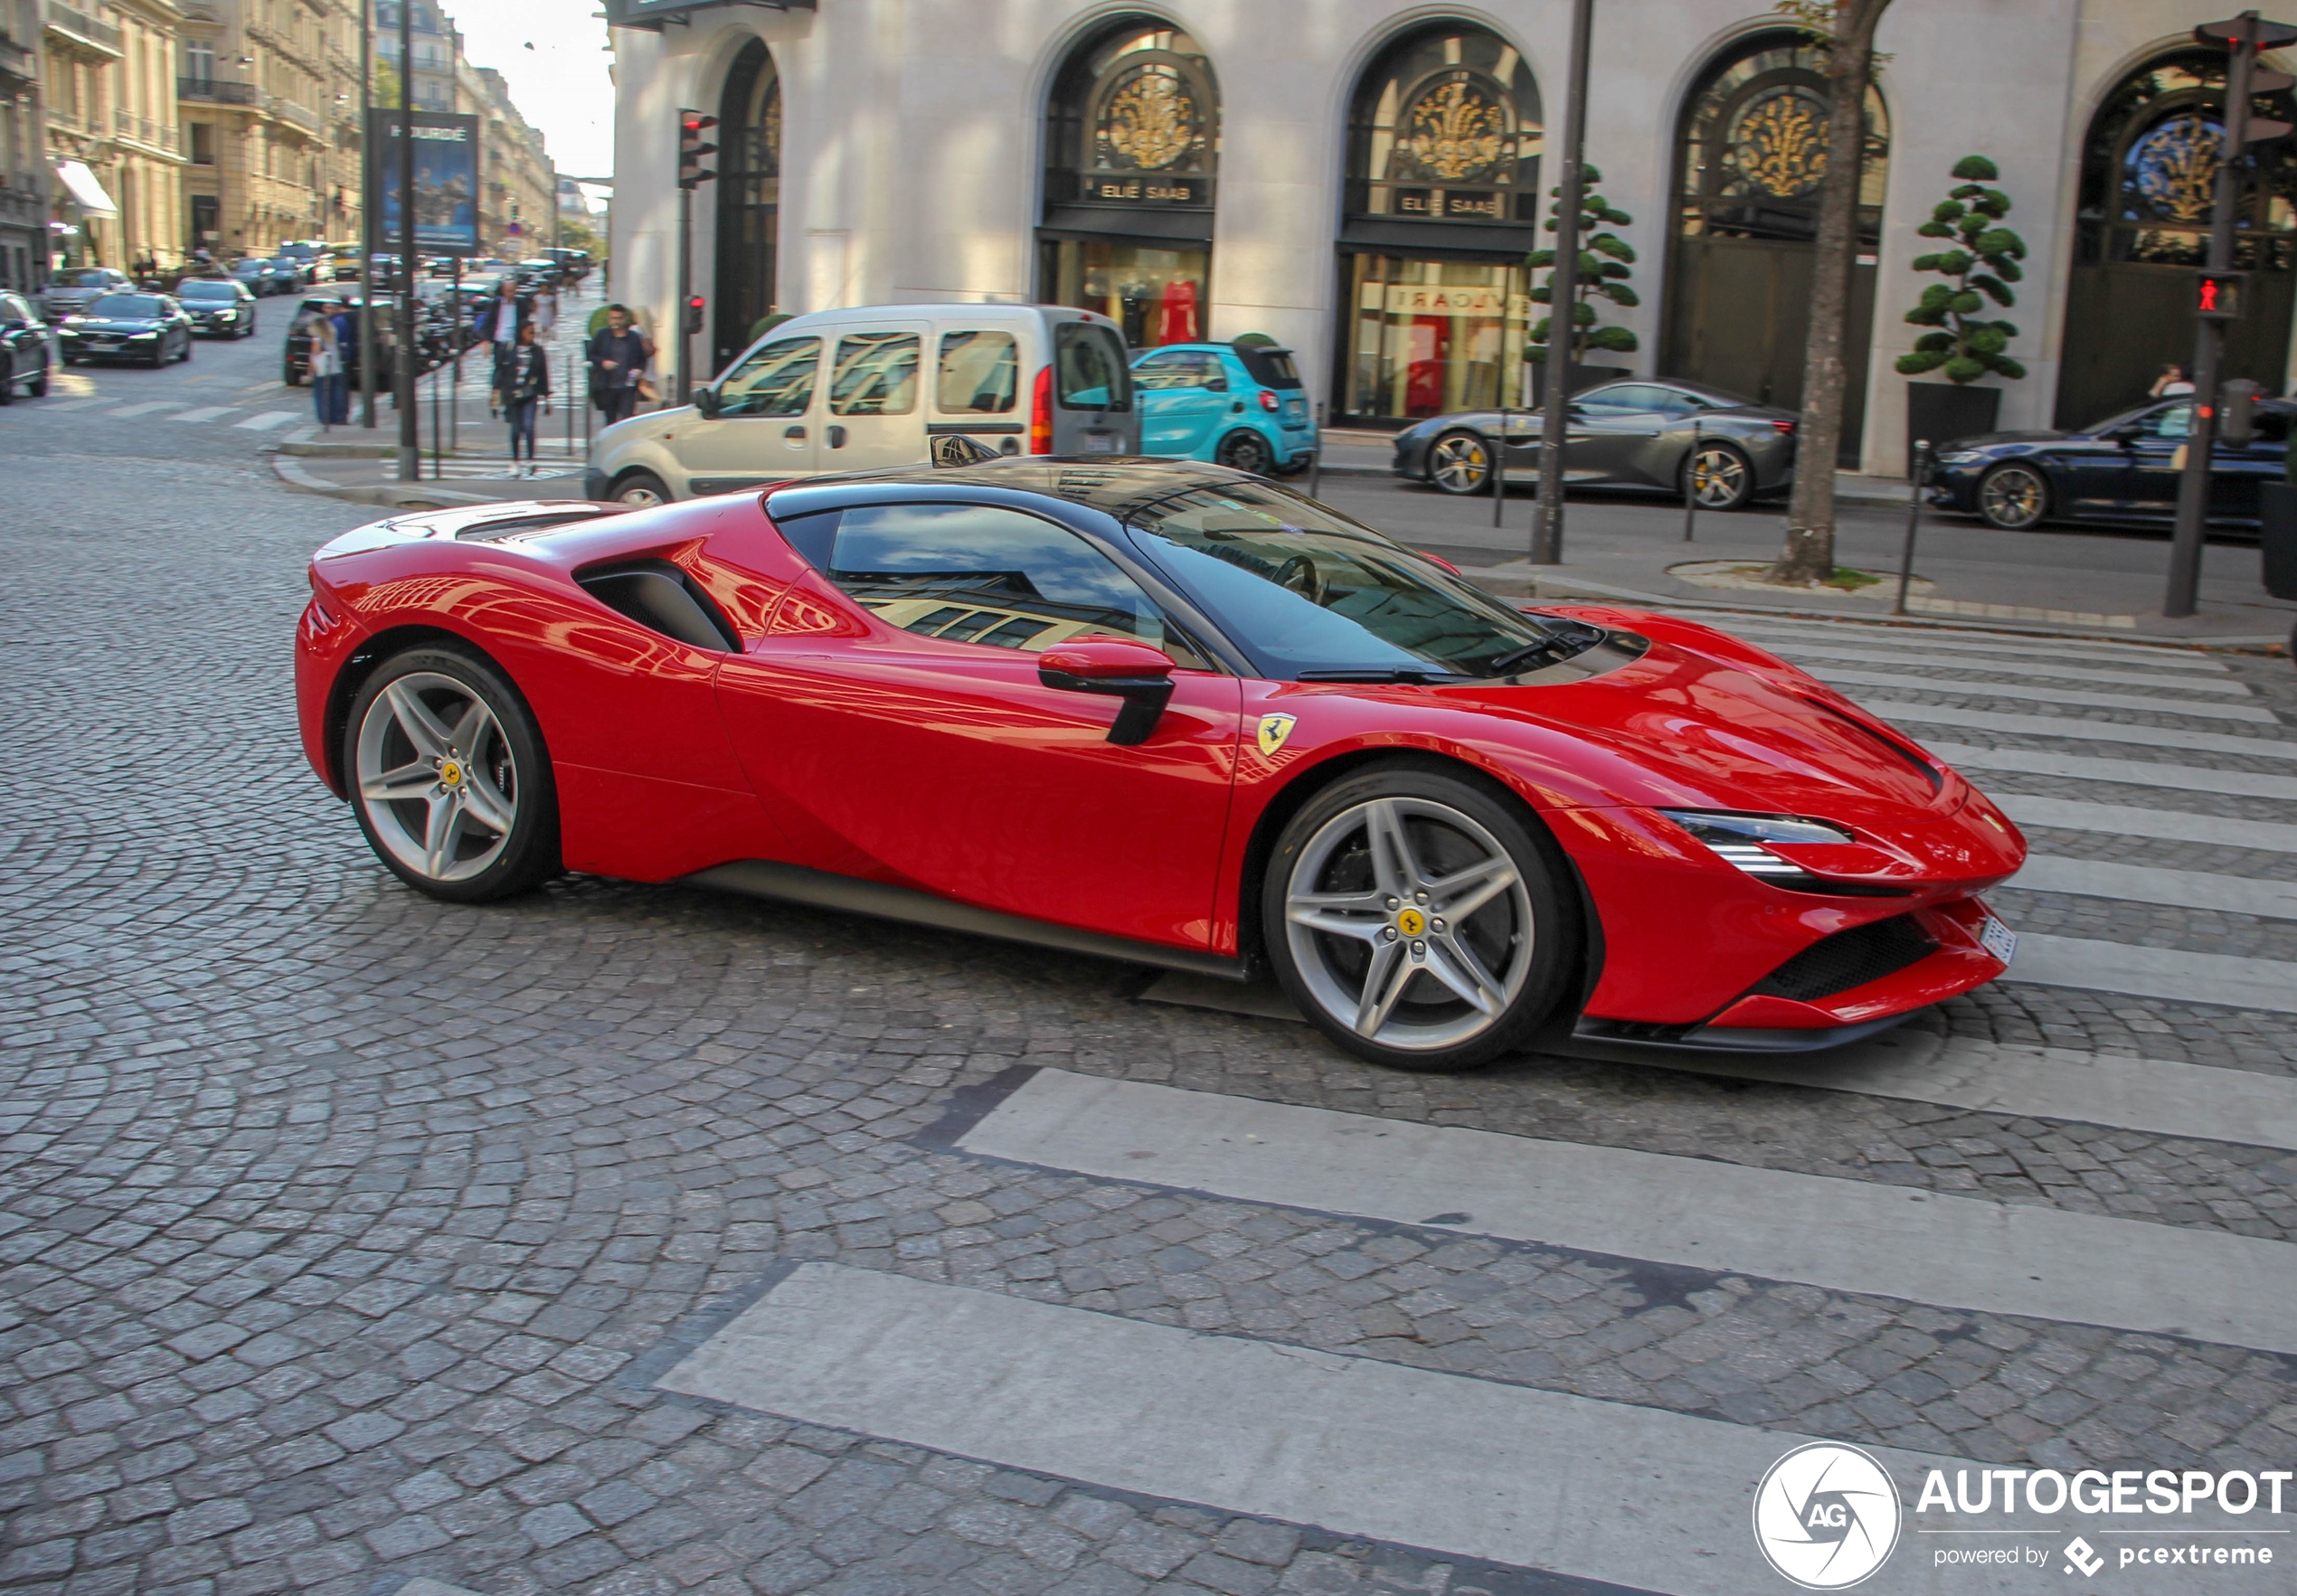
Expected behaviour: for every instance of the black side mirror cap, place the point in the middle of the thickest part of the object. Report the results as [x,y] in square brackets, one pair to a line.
[705,399]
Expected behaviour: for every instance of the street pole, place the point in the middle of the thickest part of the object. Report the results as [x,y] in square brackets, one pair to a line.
[1691,485]
[403,368]
[1562,300]
[1913,524]
[685,283]
[369,176]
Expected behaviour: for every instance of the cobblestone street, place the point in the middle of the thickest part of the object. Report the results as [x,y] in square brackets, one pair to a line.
[348,1237]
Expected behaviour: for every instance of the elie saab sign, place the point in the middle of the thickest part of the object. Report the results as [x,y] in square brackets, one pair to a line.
[1151,135]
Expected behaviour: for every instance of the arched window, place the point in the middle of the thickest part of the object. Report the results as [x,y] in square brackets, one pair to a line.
[749,139]
[1442,202]
[1133,154]
[1751,154]
[2149,181]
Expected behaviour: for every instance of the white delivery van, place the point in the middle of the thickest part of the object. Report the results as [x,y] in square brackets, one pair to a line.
[855,389]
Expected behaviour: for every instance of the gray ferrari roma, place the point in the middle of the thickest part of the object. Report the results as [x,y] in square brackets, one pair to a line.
[1633,434]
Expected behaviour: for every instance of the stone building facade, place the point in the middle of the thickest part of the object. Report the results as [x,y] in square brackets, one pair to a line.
[270,101]
[108,93]
[518,186]
[1362,178]
[23,164]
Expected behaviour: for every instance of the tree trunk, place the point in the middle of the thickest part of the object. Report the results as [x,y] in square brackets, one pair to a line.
[1807,557]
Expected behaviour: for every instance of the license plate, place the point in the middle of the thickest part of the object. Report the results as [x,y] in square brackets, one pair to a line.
[1997,939]
[1100,443]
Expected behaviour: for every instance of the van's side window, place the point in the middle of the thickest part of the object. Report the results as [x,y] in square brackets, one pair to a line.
[876,374]
[777,380]
[980,372]
[1090,366]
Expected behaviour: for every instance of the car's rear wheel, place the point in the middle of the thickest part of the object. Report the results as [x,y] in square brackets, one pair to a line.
[2014,498]
[1244,451]
[38,388]
[1416,918]
[450,779]
[640,490]
[7,379]
[1459,462]
[1719,475]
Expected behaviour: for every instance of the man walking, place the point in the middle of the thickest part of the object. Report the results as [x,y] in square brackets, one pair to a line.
[618,354]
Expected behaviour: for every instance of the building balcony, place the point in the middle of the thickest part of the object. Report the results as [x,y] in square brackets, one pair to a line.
[19,63]
[76,27]
[212,92]
[286,110]
[144,131]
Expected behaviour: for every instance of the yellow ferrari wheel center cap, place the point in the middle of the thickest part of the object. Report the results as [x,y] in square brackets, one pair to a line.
[450,774]
[1411,923]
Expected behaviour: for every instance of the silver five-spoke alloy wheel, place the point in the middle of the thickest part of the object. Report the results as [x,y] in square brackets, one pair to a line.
[437,777]
[2013,498]
[1458,462]
[1409,924]
[1716,476]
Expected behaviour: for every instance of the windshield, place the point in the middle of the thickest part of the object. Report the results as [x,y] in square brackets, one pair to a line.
[1312,594]
[207,290]
[125,306]
[82,280]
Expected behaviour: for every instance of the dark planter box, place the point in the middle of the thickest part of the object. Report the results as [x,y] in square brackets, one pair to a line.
[1943,412]
[2277,537]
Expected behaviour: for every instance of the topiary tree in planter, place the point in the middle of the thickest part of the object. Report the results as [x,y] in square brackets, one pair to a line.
[1605,260]
[1982,264]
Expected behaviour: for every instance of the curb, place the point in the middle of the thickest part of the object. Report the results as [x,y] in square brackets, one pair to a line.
[388,495]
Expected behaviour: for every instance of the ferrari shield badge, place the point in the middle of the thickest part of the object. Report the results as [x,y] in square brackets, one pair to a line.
[1273,730]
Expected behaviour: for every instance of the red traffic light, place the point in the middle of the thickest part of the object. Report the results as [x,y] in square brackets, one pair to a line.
[692,126]
[694,313]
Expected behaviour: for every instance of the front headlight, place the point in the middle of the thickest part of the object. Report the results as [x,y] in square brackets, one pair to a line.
[133,336]
[1737,840]
[1961,457]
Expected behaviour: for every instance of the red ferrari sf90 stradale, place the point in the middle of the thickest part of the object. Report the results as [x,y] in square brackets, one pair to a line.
[1162,712]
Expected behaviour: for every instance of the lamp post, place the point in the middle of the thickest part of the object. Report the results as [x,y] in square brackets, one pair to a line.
[402,369]
[1562,300]
[368,183]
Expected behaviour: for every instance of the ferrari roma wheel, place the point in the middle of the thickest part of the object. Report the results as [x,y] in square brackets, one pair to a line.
[1415,920]
[2013,498]
[1459,462]
[1718,476]
[641,490]
[1244,451]
[449,778]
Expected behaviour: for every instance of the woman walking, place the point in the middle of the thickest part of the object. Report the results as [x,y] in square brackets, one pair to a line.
[328,401]
[522,387]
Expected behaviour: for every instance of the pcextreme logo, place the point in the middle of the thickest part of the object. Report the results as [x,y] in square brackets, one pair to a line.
[1826,1516]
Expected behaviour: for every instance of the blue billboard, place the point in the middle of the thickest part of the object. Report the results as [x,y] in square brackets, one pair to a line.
[446,182]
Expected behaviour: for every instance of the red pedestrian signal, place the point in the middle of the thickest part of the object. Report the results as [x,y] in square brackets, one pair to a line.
[2218,295]
[692,126]
[694,313]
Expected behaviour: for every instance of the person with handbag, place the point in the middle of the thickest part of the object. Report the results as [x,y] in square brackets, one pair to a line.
[522,387]
[618,355]
[328,401]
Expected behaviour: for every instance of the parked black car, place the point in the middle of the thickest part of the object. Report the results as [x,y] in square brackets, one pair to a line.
[24,349]
[218,308]
[1633,434]
[145,328]
[2123,471]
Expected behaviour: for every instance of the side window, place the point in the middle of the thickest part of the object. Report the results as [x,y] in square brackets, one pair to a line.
[2174,420]
[980,573]
[777,380]
[1175,368]
[980,373]
[1622,399]
[1089,368]
[876,374]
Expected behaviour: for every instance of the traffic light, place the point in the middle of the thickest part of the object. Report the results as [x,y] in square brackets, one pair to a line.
[692,127]
[2218,295]
[694,315]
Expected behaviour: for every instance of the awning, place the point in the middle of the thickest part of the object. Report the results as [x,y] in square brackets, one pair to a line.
[86,190]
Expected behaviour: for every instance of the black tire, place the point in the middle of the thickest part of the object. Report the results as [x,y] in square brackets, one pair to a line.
[1245,451]
[1529,926]
[38,388]
[1459,462]
[1725,479]
[514,760]
[289,377]
[7,379]
[2015,497]
[640,490]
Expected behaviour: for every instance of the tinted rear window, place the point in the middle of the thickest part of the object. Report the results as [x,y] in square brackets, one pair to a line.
[207,290]
[127,306]
[1089,368]
[82,280]
[1271,368]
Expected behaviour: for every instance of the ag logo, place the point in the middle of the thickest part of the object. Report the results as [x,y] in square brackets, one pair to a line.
[1273,730]
[1826,1516]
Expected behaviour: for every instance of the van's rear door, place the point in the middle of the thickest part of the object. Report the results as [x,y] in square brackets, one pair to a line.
[1093,411]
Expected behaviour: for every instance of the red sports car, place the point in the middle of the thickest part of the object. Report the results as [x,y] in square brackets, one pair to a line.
[1162,712]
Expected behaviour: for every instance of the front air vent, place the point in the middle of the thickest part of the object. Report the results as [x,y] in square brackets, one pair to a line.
[1928,771]
[1846,959]
[661,598]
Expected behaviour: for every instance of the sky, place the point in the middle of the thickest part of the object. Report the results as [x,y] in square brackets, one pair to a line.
[553,55]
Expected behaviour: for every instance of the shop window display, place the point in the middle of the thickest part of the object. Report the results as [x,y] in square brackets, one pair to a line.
[1429,338]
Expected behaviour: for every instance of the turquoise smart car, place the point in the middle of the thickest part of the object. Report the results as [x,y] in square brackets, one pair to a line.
[1238,404]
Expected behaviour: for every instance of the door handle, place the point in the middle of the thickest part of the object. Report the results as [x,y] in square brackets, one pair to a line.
[797,432]
[837,438]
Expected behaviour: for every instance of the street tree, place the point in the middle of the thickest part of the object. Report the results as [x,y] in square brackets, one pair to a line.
[1982,264]
[1606,261]
[1844,33]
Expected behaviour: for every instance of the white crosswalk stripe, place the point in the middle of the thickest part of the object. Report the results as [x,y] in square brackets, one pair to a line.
[212,413]
[2021,691]
[2082,728]
[266,422]
[2122,773]
[2144,883]
[2172,973]
[2191,683]
[2168,825]
[1917,646]
[148,406]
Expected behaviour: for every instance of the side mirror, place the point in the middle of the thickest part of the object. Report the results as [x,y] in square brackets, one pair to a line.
[705,399]
[1134,672]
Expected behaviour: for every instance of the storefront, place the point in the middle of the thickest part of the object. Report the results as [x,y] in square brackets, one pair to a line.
[1132,152]
[1441,208]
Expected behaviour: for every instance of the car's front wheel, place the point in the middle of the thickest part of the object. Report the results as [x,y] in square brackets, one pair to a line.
[38,387]
[1245,451]
[1417,919]
[2013,498]
[1717,476]
[1459,462]
[640,490]
[7,379]
[450,779]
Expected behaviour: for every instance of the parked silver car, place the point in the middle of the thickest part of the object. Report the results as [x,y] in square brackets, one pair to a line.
[75,288]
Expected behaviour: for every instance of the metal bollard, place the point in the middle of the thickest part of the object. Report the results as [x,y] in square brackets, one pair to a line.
[1914,522]
[1316,460]
[1499,473]
[1691,486]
